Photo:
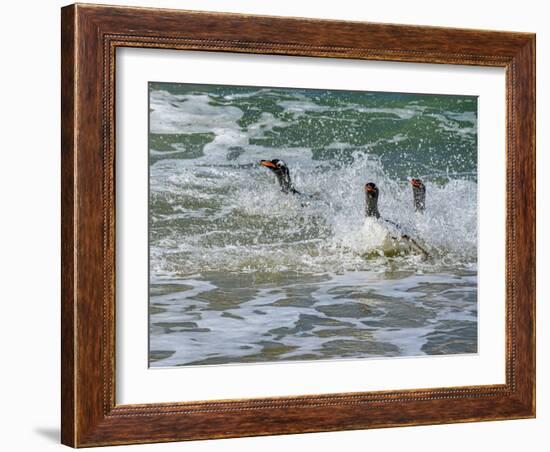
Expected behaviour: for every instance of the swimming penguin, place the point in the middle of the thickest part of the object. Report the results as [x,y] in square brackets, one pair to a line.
[283,174]
[419,195]
[371,210]
[371,200]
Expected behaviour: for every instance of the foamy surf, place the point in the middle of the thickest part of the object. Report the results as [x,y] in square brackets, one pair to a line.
[241,272]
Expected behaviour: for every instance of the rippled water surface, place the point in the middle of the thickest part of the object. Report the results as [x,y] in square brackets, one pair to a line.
[241,272]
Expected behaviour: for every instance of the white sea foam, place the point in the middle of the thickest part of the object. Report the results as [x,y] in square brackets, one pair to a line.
[249,224]
[231,214]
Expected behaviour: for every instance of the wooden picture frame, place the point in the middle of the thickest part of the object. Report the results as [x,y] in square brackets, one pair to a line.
[90,36]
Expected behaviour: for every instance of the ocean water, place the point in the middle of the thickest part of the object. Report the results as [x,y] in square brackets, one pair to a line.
[243,273]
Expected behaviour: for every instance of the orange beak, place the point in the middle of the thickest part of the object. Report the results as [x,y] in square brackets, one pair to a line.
[369,189]
[415,183]
[267,164]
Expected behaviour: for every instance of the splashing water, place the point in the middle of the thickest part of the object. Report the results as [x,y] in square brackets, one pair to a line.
[241,272]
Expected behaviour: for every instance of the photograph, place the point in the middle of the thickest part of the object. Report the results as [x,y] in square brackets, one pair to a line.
[302,222]
[293,224]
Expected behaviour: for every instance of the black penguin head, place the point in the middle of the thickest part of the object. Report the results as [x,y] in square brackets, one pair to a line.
[371,190]
[417,183]
[275,165]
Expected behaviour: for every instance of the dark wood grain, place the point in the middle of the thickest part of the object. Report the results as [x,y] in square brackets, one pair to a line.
[90,36]
[68,310]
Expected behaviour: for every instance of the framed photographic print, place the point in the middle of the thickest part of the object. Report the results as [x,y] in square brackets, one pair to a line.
[281,225]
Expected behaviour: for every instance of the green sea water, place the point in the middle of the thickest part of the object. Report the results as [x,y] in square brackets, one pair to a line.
[241,272]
